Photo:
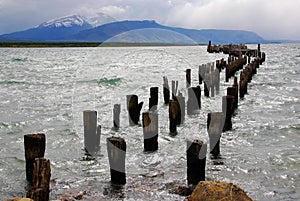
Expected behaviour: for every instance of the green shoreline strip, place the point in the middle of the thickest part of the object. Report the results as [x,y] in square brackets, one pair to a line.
[83,44]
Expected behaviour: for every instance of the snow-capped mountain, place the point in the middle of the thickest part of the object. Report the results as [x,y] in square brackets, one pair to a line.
[67,21]
[58,29]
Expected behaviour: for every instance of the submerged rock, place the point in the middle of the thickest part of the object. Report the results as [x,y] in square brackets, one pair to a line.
[206,190]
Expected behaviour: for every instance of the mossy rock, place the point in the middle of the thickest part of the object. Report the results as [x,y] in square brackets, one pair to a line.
[19,199]
[206,190]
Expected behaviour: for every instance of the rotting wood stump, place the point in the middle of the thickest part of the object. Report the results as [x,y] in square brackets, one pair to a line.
[35,145]
[134,109]
[116,149]
[92,132]
[41,180]
[196,161]
[150,130]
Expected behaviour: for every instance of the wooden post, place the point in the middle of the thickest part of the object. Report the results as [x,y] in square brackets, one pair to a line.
[215,124]
[35,145]
[116,116]
[206,89]
[150,130]
[174,116]
[232,91]
[217,79]
[227,109]
[134,109]
[200,74]
[181,101]
[91,131]
[188,78]
[41,180]
[153,100]
[174,89]
[212,84]
[196,161]
[194,100]
[166,90]
[116,150]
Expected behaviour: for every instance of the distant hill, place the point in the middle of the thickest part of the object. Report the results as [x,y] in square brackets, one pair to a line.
[56,29]
[79,29]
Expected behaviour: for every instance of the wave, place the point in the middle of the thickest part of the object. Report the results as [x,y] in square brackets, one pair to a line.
[109,82]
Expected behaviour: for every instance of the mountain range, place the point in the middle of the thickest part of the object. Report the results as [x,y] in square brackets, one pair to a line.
[103,28]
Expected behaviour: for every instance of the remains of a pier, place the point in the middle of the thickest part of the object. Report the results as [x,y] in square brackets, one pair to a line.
[35,145]
[92,132]
[134,109]
[150,130]
[116,150]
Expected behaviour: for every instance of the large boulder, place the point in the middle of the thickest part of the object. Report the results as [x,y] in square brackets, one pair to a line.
[19,199]
[207,190]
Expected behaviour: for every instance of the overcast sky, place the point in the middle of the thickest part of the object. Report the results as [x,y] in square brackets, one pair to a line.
[271,19]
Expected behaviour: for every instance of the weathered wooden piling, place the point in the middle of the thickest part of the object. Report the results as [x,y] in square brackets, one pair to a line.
[181,101]
[150,130]
[194,100]
[200,74]
[116,149]
[232,91]
[35,145]
[153,100]
[206,90]
[41,180]
[215,124]
[212,84]
[116,116]
[92,132]
[227,109]
[174,116]
[217,81]
[188,78]
[166,90]
[174,88]
[196,161]
[134,109]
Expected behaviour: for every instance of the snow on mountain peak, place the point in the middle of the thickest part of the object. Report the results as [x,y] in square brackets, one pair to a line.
[79,20]
[99,19]
[66,21]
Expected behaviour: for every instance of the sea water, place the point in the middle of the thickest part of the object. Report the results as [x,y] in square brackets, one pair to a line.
[45,90]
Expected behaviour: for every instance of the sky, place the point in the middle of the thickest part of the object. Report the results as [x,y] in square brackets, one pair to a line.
[271,19]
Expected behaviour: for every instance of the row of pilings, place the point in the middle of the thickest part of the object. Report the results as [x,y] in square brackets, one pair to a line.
[38,169]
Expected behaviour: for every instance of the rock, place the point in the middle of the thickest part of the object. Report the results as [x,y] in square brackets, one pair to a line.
[206,190]
[19,199]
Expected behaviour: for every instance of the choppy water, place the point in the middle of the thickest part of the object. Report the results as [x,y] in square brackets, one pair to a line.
[46,90]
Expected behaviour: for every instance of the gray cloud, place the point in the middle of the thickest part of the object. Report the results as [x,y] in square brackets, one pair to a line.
[272,19]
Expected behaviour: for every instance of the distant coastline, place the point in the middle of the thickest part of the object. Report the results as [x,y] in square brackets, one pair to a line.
[83,44]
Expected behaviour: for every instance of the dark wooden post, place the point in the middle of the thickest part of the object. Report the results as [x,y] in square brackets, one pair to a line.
[217,81]
[116,149]
[232,91]
[209,47]
[166,90]
[215,124]
[153,100]
[150,130]
[206,89]
[200,74]
[174,116]
[188,78]
[181,101]
[227,109]
[91,131]
[212,84]
[116,116]
[134,109]
[41,180]
[196,161]
[35,145]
